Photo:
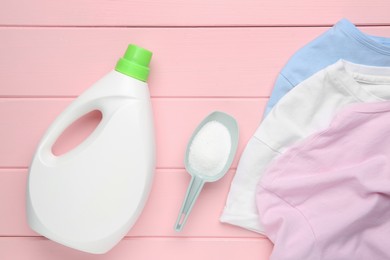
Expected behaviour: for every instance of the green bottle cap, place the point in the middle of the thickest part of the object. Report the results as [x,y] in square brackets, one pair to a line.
[135,62]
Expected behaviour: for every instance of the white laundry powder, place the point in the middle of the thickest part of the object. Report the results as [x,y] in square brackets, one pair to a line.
[210,149]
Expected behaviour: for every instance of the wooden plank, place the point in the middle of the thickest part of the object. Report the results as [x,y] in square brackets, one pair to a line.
[140,249]
[158,217]
[191,12]
[24,121]
[187,62]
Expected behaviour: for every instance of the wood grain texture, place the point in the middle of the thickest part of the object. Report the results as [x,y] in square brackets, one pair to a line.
[24,121]
[191,12]
[158,216]
[140,249]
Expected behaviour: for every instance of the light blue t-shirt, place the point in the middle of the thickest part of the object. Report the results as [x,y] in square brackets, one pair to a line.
[342,41]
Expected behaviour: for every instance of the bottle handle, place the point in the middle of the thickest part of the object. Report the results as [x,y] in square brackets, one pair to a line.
[74,111]
[192,194]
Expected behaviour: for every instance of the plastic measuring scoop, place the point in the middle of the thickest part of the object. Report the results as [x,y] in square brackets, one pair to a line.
[198,179]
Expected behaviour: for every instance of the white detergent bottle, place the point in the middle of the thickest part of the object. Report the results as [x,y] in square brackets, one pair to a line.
[90,197]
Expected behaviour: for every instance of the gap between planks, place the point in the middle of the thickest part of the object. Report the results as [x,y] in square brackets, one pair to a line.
[152,97]
[187,26]
[201,238]
[165,169]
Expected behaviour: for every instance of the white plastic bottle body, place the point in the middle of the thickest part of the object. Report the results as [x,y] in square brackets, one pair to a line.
[91,196]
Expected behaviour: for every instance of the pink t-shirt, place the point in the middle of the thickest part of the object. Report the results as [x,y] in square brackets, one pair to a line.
[328,197]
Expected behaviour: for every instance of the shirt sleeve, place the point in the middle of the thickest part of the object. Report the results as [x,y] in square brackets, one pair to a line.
[307,108]
[308,60]
[286,227]
[287,123]
[281,87]
[240,208]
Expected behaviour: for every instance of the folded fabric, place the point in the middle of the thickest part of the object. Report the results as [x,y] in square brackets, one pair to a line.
[328,197]
[342,41]
[306,109]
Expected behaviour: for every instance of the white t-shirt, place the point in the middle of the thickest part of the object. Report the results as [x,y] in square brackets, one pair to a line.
[306,109]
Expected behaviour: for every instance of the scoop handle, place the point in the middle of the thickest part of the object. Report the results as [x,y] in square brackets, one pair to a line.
[192,194]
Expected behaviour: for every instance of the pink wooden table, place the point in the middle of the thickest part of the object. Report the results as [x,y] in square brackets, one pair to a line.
[208,55]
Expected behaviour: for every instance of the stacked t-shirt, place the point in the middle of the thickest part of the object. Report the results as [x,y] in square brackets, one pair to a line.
[342,41]
[328,197]
[310,106]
